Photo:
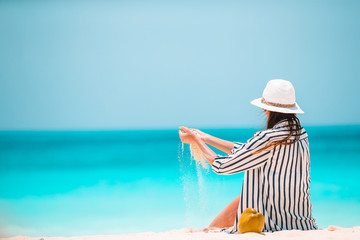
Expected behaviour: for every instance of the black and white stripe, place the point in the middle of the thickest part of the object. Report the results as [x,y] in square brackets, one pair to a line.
[276,181]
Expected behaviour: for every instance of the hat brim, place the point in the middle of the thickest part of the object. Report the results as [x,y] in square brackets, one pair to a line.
[257,102]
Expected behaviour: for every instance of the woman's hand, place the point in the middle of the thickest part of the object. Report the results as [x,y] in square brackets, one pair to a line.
[188,135]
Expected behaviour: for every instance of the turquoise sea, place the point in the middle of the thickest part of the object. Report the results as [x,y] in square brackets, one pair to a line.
[69,183]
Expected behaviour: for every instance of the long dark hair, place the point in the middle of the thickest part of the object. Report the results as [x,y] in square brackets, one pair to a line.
[293,125]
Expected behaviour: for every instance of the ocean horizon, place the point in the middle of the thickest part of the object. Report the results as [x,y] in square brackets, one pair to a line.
[71,183]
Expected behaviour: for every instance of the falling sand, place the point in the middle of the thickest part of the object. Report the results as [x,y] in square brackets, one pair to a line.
[197,155]
[193,195]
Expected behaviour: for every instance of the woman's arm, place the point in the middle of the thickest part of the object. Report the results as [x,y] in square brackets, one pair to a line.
[209,154]
[251,155]
[223,145]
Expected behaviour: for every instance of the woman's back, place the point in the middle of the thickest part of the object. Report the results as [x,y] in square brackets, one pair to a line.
[286,185]
[276,181]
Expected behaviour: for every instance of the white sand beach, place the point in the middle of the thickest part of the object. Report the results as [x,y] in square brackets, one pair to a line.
[329,233]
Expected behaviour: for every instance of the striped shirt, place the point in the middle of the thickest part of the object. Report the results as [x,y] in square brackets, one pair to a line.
[276,181]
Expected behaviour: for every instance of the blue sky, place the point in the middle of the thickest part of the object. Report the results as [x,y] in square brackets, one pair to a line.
[161,64]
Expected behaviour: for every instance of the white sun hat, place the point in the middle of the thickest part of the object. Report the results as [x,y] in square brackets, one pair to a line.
[278,96]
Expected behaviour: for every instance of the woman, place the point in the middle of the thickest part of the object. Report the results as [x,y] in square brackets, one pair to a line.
[276,163]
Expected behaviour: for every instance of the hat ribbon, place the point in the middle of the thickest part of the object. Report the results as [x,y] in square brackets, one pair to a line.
[278,104]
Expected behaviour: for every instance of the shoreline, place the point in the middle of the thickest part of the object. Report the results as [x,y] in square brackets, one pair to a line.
[332,232]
